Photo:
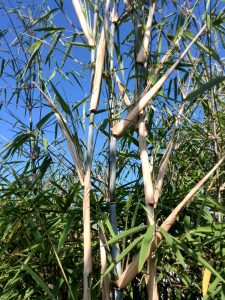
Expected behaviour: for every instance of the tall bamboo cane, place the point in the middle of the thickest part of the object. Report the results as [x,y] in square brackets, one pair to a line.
[112,152]
[95,93]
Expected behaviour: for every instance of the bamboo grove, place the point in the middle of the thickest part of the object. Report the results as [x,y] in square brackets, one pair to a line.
[112,149]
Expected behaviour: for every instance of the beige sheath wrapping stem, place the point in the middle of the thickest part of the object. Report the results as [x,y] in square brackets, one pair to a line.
[143,52]
[83,22]
[99,63]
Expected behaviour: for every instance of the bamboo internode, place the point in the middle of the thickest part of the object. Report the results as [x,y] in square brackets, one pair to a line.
[83,22]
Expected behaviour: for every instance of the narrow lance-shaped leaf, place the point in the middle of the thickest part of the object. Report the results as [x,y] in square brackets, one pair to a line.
[59,98]
[118,129]
[53,47]
[145,247]
[193,254]
[39,281]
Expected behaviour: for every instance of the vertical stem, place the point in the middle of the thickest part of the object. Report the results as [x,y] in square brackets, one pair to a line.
[105,281]
[146,166]
[86,215]
[87,269]
[112,154]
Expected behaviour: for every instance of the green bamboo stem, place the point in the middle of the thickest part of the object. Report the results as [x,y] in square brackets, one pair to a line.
[112,155]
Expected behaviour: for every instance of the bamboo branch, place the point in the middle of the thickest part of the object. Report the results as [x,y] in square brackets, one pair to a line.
[83,22]
[122,91]
[66,132]
[118,129]
[143,52]
[152,288]
[165,160]
[103,256]
[146,168]
[132,269]
[99,63]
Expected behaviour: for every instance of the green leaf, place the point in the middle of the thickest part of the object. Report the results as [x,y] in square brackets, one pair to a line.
[123,254]
[126,233]
[44,120]
[66,231]
[206,49]
[193,254]
[45,143]
[53,47]
[39,281]
[59,98]
[145,246]
[50,29]
[81,45]
[68,49]
[205,87]
[44,16]
[36,48]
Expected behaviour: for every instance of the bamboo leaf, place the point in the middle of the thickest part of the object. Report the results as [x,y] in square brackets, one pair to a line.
[44,120]
[206,49]
[205,87]
[53,47]
[59,98]
[145,246]
[126,233]
[38,280]
[44,16]
[66,231]
[33,55]
[123,254]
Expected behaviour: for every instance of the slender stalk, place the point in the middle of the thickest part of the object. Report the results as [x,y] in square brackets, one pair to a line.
[143,148]
[87,215]
[99,63]
[95,93]
[105,280]
[112,155]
